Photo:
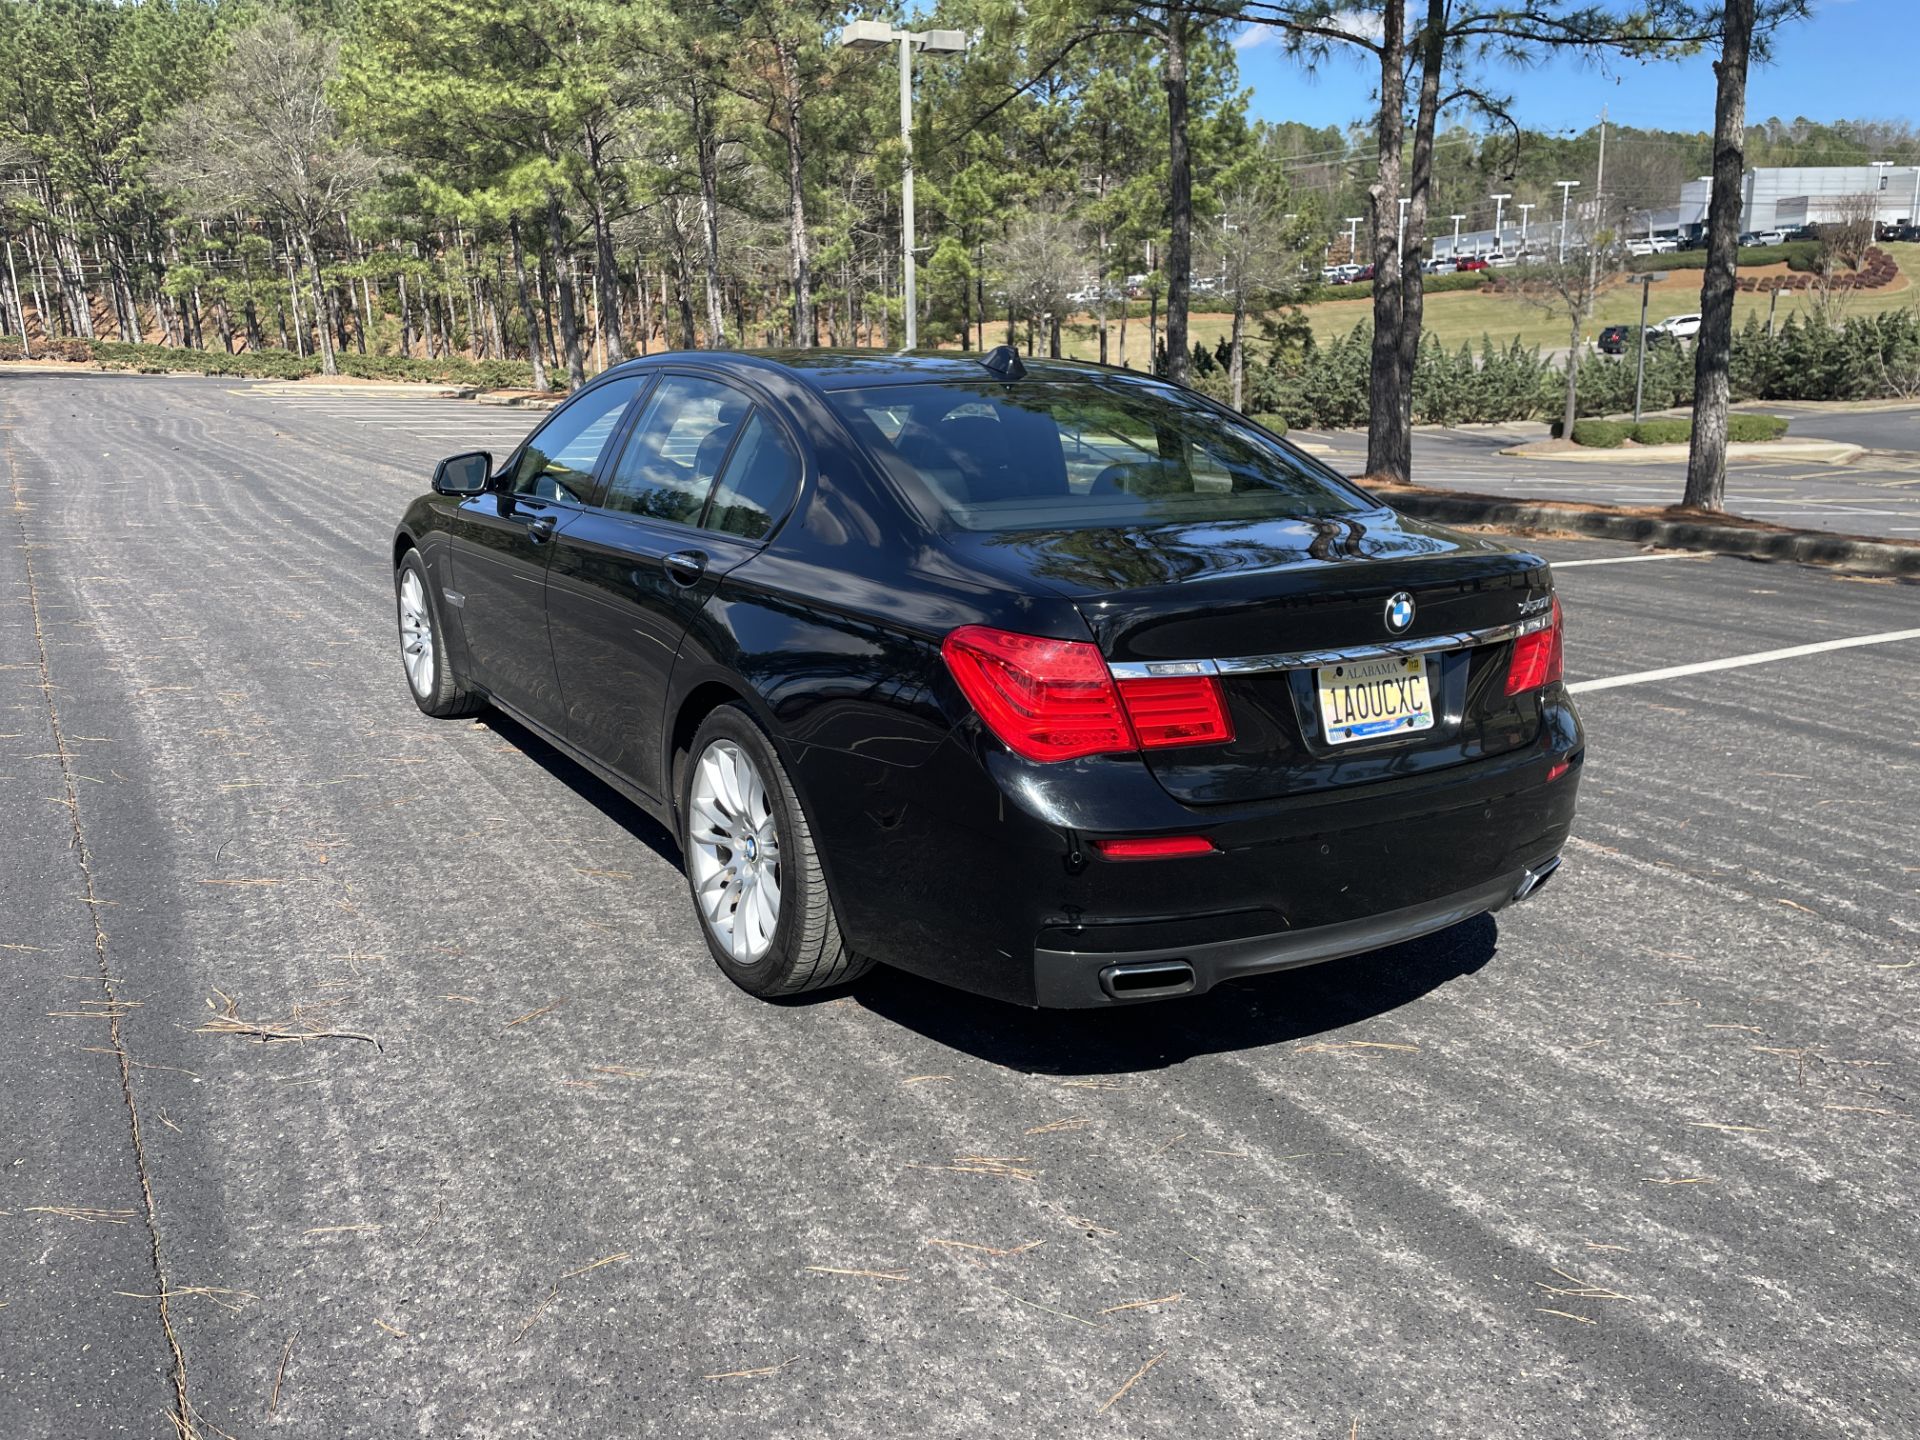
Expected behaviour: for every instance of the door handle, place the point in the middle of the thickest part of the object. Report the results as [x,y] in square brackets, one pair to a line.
[540,528]
[685,567]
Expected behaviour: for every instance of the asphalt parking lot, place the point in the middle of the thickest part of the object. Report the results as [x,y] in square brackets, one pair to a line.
[1632,1159]
[1877,494]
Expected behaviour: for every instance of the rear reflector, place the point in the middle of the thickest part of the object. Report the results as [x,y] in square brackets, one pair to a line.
[1154,847]
[1055,699]
[1536,657]
[1558,770]
[1187,710]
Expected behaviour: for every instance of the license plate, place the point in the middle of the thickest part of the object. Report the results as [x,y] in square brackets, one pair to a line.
[1371,699]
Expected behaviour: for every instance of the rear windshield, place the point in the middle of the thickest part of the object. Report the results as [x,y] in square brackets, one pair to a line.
[1080,454]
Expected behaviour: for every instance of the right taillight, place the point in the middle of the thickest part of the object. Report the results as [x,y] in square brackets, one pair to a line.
[1056,700]
[1536,657]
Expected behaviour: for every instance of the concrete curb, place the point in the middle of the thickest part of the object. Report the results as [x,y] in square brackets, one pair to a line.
[1854,554]
[1819,452]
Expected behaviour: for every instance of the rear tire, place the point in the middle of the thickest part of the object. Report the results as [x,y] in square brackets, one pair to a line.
[752,867]
[435,685]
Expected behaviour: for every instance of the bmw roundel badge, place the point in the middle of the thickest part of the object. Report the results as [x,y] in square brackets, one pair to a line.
[1400,612]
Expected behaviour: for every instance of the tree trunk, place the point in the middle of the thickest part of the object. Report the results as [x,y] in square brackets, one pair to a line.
[1389,442]
[1433,59]
[526,305]
[324,328]
[1712,347]
[293,301]
[705,151]
[1573,377]
[1053,336]
[562,262]
[1236,363]
[1179,194]
[799,260]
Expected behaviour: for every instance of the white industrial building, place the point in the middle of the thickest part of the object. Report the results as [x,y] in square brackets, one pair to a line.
[1781,199]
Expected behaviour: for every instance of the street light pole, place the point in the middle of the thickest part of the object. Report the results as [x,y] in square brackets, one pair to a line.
[872,35]
[1454,253]
[1523,226]
[1400,244]
[1567,187]
[1646,283]
[1353,236]
[1499,215]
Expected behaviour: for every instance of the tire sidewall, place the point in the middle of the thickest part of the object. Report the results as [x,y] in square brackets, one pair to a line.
[441,697]
[733,723]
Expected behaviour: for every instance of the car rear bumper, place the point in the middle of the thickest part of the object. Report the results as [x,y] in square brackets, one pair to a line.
[994,885]
[1074,979]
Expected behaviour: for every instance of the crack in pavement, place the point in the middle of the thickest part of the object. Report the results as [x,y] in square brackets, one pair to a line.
[183,1414]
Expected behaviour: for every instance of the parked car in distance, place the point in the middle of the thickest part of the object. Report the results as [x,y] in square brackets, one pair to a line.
[1676,327]
[1665,245]
[1052,682]
[1470,262]
[1640,247]
[1749,237]
[1772,237]
[1619,339]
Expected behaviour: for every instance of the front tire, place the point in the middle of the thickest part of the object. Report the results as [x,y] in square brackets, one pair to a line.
[435,686]
[752,867]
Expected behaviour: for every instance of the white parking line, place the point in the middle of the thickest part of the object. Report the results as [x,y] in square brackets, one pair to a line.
[1733,662]
[1635,559]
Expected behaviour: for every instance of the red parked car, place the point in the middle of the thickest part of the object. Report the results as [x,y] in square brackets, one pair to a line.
[1470,262]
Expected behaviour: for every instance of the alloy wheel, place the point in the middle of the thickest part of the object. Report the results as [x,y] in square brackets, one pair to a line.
[416,633]
[734,851]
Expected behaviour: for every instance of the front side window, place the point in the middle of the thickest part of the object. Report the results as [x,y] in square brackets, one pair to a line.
[677,449]
[1084,453]
[560,459]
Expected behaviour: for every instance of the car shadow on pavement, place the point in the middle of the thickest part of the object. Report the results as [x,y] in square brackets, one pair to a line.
[1244,1014]
[588,786]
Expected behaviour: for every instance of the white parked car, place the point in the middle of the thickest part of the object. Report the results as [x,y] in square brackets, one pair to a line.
[1640,247]
[1772,237]
[1678,327]
[1666,245]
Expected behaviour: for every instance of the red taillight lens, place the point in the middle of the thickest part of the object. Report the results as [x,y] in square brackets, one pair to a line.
[1056,700]
[1046,699]
[1154,847]
[1184,710]
[1536,657]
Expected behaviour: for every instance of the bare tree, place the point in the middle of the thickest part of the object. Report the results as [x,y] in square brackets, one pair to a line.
[1568,289]
[1040,259]
[264,137]
[1255,249]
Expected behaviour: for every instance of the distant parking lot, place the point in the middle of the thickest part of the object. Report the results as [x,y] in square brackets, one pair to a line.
[1631,1159]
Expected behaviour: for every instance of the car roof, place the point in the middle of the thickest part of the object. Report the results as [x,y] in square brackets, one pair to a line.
[847,369]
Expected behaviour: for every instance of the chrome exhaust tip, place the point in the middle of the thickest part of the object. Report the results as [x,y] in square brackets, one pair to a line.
[1148,980]
[1533,879]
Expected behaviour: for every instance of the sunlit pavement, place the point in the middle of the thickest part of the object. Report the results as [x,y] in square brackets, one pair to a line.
[1633,1159]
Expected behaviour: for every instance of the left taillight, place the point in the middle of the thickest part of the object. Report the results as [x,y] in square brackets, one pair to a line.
[1537,657]
[1056,700]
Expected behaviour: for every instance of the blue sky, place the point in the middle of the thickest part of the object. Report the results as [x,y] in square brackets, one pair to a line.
[1855,60]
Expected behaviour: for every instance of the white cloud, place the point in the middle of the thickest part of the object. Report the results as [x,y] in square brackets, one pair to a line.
[1251,36]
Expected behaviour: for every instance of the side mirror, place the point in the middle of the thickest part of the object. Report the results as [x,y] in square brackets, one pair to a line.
[464,474]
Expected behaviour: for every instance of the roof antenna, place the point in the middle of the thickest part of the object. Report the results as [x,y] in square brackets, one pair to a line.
[1004,362]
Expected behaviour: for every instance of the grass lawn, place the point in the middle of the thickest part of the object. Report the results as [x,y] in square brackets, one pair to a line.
[1468,314]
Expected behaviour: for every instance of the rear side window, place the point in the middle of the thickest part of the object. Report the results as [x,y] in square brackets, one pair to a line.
[560,459]
[1080,454]
[758,483]
[677,449]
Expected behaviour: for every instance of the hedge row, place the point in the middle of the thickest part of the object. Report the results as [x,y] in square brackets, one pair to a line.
[1876,270]
[1797,253]
[1429,285]
[276,364]
[1611,434]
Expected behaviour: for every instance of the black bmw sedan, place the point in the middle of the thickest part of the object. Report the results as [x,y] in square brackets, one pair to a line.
[1049,681]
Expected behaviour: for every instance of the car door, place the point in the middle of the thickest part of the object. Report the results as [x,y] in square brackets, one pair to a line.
[503,539]
[704,474]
